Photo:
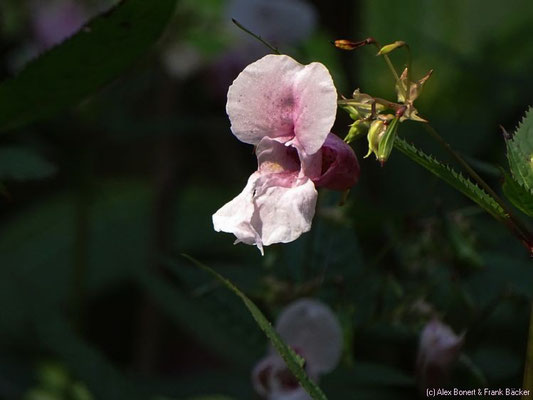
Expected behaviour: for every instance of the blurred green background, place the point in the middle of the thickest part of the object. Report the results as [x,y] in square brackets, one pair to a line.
[112,166]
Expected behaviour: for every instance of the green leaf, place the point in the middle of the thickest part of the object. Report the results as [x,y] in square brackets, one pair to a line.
[21,164]
[211,331]
[92,58]
[518,194]
[293,361]
[520,151]
[453,178]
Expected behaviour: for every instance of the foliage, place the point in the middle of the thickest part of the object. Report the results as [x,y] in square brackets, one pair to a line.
[293,360]
[453,178]
[68,73]
[518,187]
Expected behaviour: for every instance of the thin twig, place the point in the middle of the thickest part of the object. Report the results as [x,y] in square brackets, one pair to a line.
[249,32]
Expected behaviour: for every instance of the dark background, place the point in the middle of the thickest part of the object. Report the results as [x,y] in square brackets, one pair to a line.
[102,199]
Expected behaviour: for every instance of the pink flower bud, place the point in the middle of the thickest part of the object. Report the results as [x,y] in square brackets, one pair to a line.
[340,168]
[439,348]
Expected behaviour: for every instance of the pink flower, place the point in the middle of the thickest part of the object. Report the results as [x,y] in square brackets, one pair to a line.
[438,349]
[314,332]
[286,110]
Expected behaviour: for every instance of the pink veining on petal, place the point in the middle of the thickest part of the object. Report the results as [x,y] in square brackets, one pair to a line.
[287,110]
[277,96]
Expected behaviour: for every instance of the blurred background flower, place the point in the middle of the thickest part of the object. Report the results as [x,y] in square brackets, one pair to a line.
[439,348]
[313,331]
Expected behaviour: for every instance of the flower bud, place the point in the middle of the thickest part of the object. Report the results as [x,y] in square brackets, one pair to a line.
[391,47]
[345,44]
[375,134]
[340,168]
[358,128]
[386,144]
[438,349]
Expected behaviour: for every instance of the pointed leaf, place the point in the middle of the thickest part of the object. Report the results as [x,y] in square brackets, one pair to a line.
[518,194]
[520,151]
[294,362]
[453,178]
[90,59]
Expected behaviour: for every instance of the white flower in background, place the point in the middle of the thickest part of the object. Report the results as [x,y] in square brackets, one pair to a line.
[438,349]
[284,23]
[314,332]
[54,21]
[277,21]
[50,23]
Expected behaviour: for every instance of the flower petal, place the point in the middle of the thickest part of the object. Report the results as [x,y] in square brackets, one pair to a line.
[236,216]
[284,213]
[311,327]
[277,96]
[273,156]
[438,349]
[272,380]
[269,210]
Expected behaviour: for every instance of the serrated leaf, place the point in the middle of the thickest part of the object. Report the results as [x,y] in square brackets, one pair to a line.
[293,361]
[520,151]
[21,164]
[453,178]
[519,195]
[90,59]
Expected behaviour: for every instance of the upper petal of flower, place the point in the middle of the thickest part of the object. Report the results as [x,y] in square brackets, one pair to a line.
[311,327]
[277,96]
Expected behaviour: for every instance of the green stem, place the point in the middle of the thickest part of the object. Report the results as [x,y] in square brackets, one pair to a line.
[514,225]
[388,62]
[528,369]
[249,32]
